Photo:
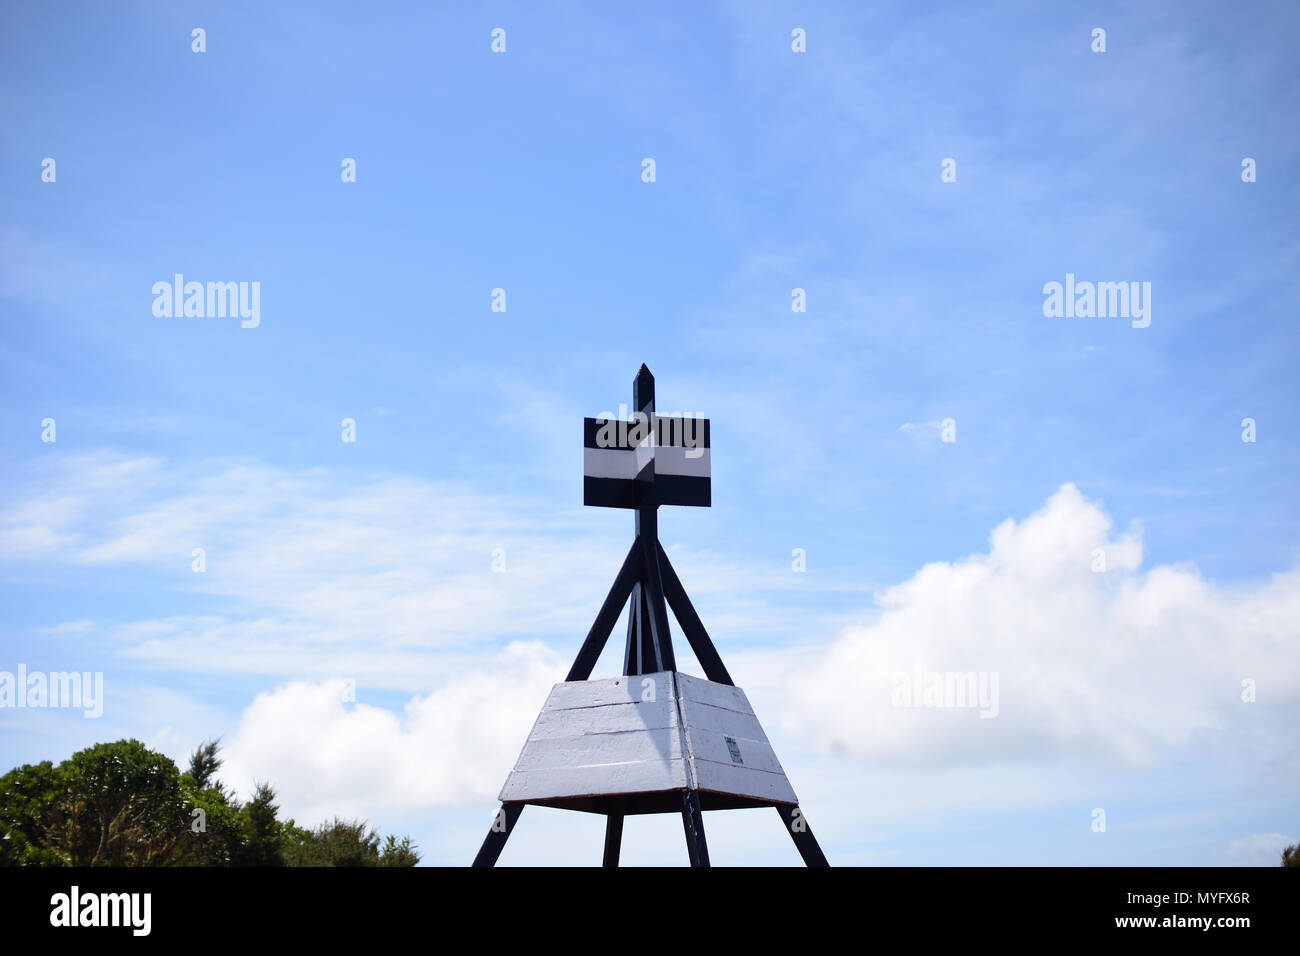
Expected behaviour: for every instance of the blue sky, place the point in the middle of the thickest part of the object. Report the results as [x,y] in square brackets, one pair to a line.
[775,170]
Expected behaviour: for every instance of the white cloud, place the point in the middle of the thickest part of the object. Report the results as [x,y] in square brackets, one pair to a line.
[1121,665]
[314,574]
[1124,666]
[319,576]
[453,746]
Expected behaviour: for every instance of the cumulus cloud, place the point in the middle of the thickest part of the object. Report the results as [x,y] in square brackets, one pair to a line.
[388,580]
[327,755]
[1119,664]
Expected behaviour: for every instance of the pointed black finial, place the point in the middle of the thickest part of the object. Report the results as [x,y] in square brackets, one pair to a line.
[643,390]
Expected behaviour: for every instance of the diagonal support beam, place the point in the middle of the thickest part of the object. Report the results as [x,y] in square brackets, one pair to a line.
[804,841]
[495,841]
[635,615]
[589,653]
[691,624]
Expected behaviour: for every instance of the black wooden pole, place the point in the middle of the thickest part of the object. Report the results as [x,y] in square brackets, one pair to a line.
[495,841]
[653,589]
[632,652]
[647,651]
[697,848]
[613,838]
[804,841]
[691,624]
[649,642]
[606,618]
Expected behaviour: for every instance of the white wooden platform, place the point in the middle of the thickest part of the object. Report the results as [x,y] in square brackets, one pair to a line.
[623,736]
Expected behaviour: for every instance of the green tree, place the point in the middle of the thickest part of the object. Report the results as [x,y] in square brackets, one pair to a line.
[122,804]
[216,827]
[347,843]
[1291,855]
[30,816]
[116,804]
[399,852]
[204,764]
[263,836]
[337,843]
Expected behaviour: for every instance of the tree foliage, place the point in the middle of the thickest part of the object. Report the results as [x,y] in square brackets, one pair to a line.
[122,804]
[346,843]
[204,764]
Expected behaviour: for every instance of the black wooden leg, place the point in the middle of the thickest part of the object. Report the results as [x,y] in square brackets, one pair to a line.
[632,651]
[495,842]
[693,824]
[804,841]
[613,838]
[607,617]
[652,590]
[692,627]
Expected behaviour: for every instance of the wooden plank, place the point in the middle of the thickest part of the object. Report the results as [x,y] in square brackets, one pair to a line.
[741,751]
[709,692]
[643,777]
[708,717]
[609,690]
[742,781]
[629,715]
[600,750]
[599,738]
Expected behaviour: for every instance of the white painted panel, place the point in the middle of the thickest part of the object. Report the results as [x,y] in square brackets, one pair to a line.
[707,692]
[596,738]
[608,463]
[708,717]
[728,778]
[611,690]
[643,777]
[599,750]
[754,754]
[679,460]
[627,715]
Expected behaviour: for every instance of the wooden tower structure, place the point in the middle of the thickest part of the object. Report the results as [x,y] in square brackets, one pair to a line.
[653,740]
